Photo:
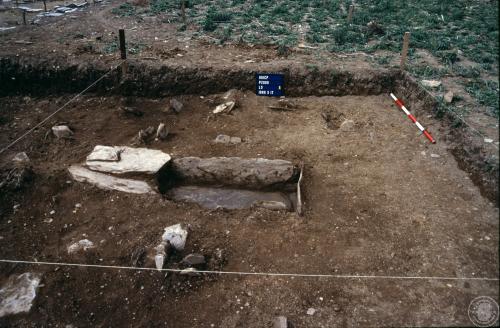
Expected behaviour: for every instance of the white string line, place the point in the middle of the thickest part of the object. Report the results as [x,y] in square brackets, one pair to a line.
[59,109]
[269,274]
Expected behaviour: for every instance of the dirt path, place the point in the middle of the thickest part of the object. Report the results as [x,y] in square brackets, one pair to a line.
[377,203]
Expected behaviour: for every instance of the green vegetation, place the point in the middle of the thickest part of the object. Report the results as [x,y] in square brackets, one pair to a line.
[124,10]
[486,93]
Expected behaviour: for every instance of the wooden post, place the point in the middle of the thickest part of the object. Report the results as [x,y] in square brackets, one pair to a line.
[349,16]
[183,11]
[45,5]
[123,50]
[24,17]
[404,52]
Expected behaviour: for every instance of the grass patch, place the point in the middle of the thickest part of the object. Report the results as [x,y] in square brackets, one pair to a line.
[486,93]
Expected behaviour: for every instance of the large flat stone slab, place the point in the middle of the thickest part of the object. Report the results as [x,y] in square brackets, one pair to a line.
[108,182]
[251,173]
[209,197]
[131,160]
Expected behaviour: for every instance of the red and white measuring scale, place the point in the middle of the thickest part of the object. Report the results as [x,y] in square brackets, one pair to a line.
[412,118]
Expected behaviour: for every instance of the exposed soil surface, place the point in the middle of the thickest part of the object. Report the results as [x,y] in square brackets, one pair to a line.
[380,200]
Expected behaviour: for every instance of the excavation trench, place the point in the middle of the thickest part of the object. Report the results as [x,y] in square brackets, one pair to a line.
[39,78]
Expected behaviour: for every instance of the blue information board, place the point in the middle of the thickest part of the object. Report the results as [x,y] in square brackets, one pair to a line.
[269,84]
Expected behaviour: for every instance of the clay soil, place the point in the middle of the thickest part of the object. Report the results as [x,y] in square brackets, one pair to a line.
[377,203]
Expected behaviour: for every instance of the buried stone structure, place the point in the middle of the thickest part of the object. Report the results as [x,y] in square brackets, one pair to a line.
[226,182]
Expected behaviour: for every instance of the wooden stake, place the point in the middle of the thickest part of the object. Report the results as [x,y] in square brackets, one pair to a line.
[404,52]
[349,16]
[45,5]
[24,17]
[183,11]
[123,50]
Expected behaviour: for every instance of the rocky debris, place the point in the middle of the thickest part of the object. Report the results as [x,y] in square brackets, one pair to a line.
[137,258]
[18,293]
[144,136]
[226,107]
[21,159]
[82,245]
[272,205]
[176,235]
[311,311]
[225,139]
[194,259]
[108,182]
[62,131]
[104,153]
[280,322]
[431,83]
[161,132]
[284,105]
[435,156]
[132,111]
[448,97]
[132,160]
[176,105]
[347,125]
[211,197]
[253,173]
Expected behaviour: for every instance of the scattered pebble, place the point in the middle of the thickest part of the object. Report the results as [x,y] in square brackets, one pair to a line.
[448,97]
[488,140]
[62,131]
[311,311]
[347,125]
[431,83]
[435,156]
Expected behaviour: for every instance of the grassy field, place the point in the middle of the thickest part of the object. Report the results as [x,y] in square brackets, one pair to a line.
[449,30]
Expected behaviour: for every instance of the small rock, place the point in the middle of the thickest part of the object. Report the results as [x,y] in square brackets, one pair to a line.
[224,108]
[431,83]
[21,158]
[448,97]
[83,244]
[176,235]
[488,140]
[225,139]
[347,125]
[272,205]
[194,259]
[144,136]
[62,131]
[435,156]
[104,153]
[176,105]
[311,311]
[280,322]
[161,132]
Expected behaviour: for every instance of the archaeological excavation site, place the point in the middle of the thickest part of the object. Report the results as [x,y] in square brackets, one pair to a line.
[191,183]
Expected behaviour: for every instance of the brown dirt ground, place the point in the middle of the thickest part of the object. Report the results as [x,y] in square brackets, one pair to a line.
[377,203]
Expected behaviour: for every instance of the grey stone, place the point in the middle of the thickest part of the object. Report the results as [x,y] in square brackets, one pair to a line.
[225,139]
[194,259]
[273,205]
[21,158]
[176,105]
[176,235]
[108,182]
[18,293]
[62,131]
[162,132]
[347,125]
[132,160]
[431,83]
[81,245]
[104,153]
[448,97]
[190,272]
[311,311]
[280,322]
[226,107]
[252,173]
